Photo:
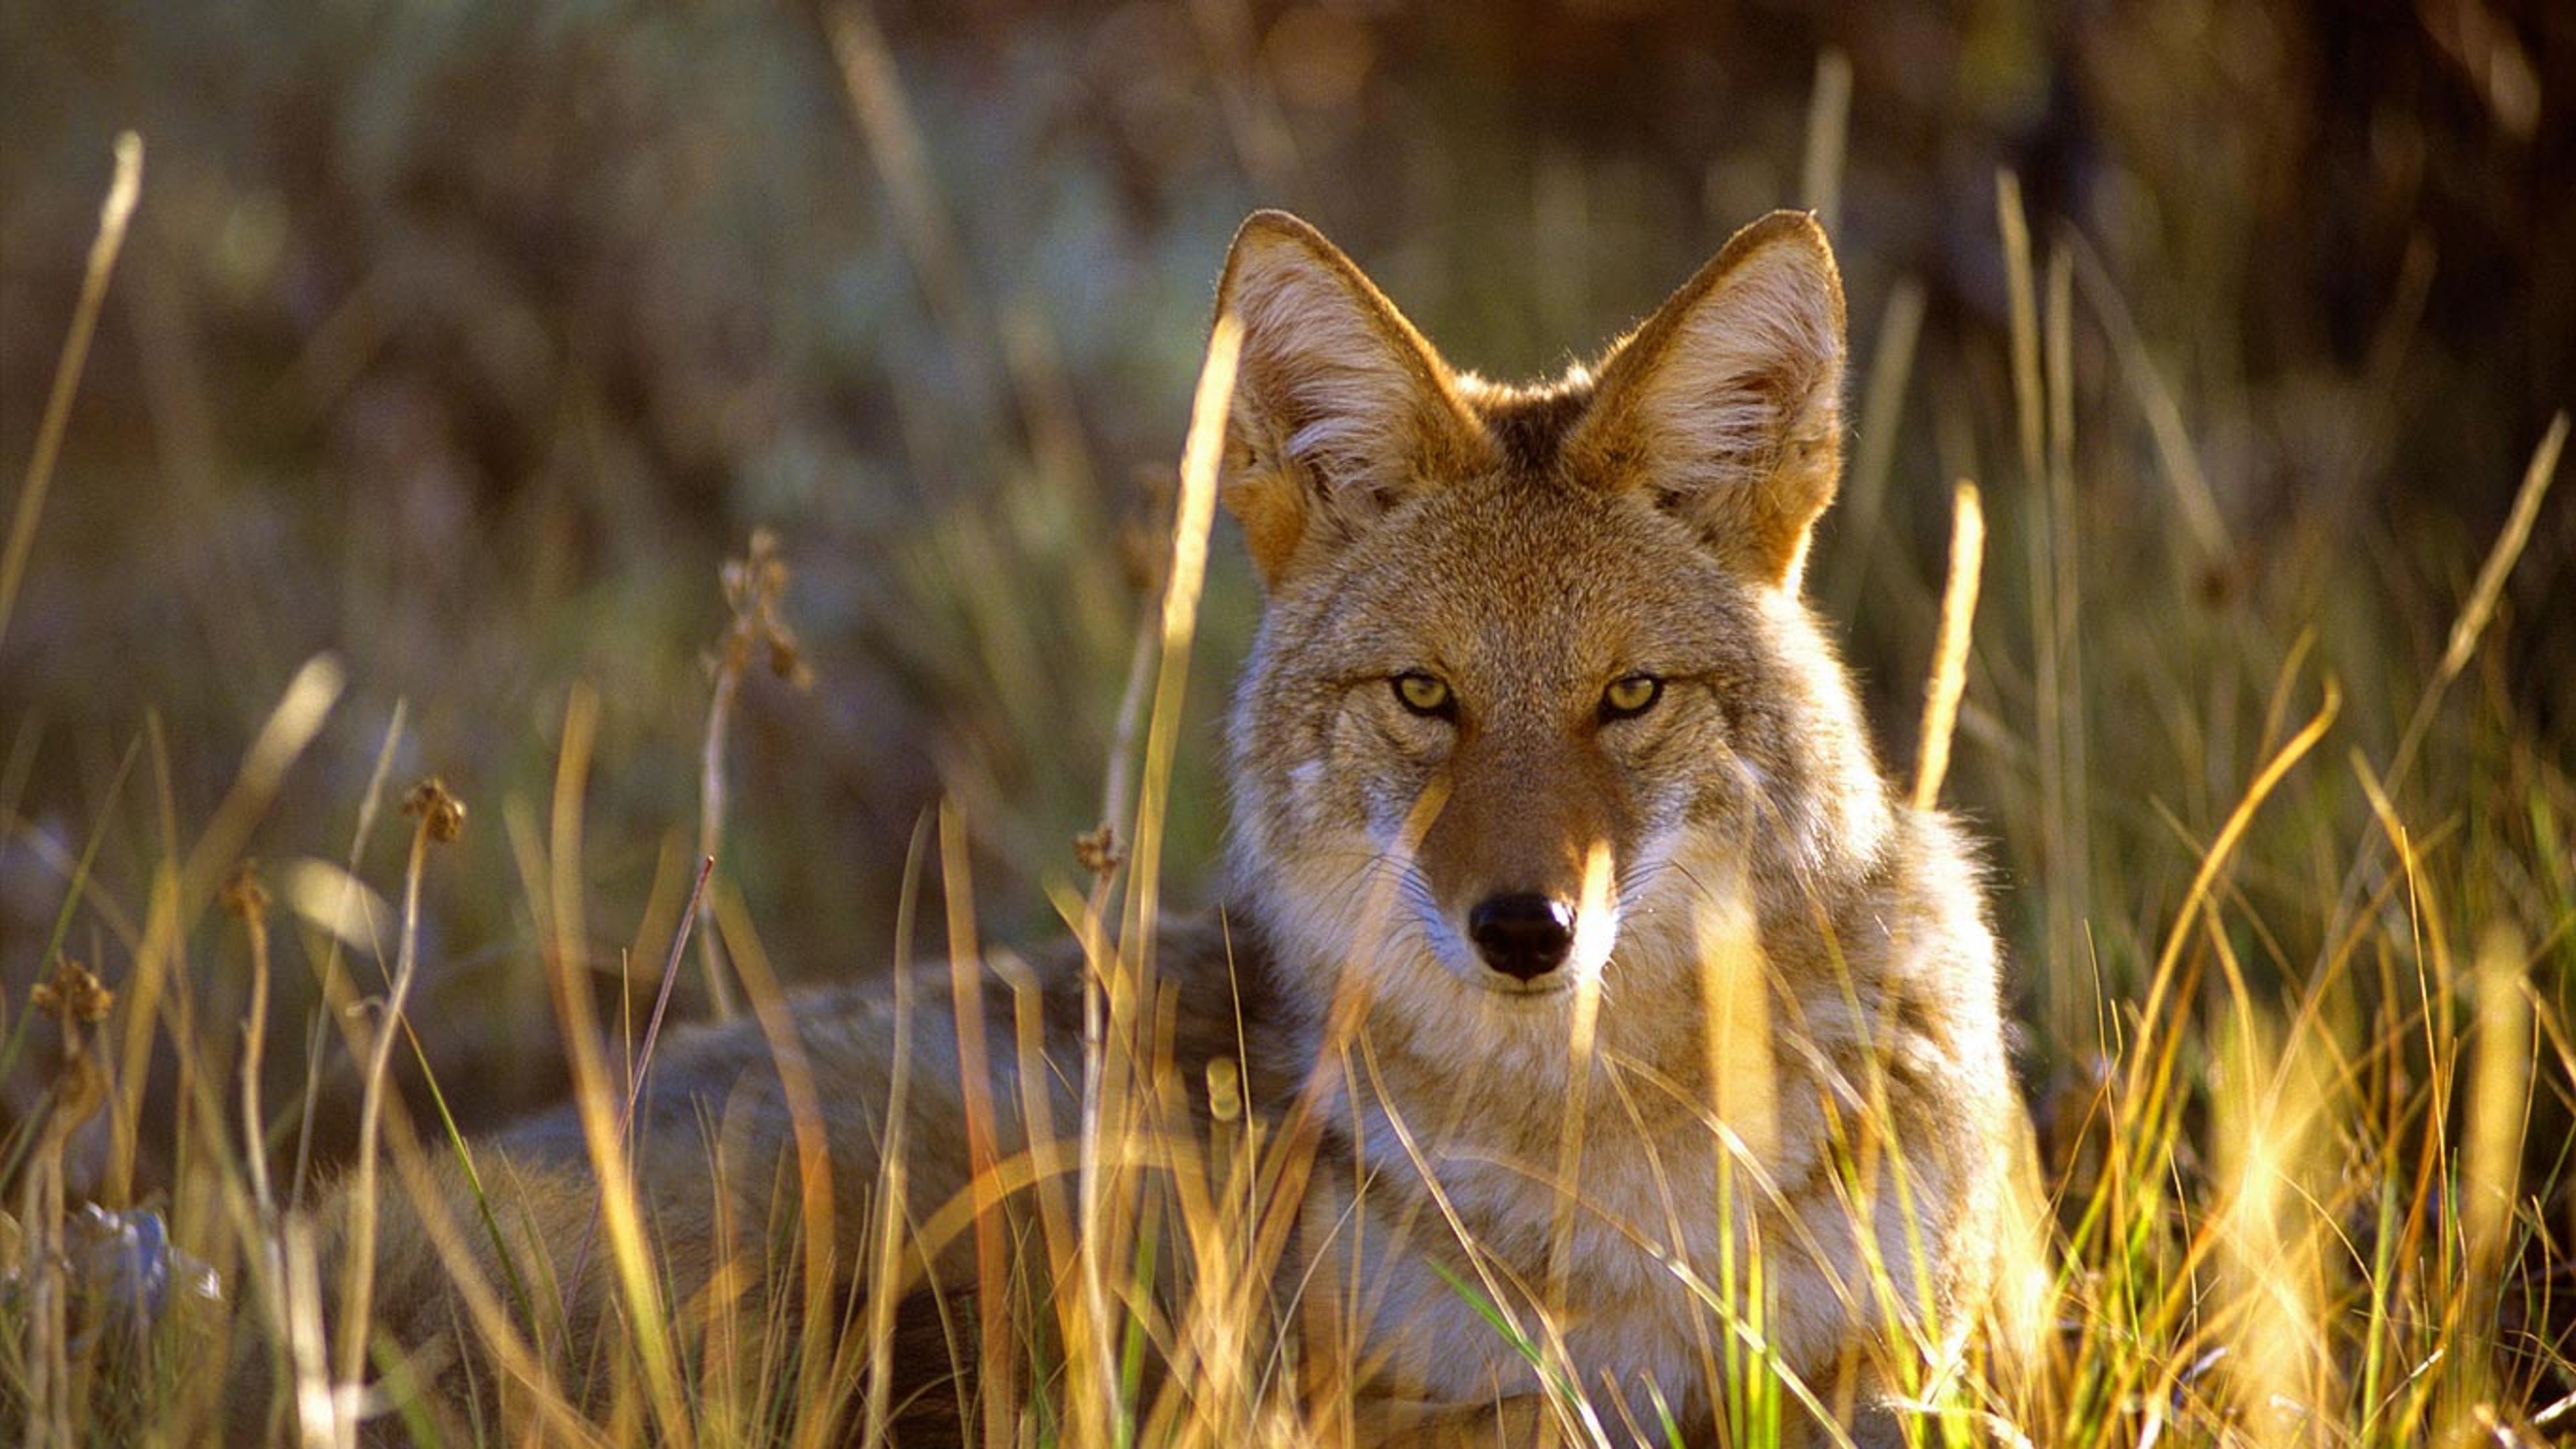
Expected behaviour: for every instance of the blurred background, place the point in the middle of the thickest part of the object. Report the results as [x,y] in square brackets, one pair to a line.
[464,342]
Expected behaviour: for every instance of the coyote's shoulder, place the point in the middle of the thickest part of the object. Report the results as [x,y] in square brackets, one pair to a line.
[1645,1048]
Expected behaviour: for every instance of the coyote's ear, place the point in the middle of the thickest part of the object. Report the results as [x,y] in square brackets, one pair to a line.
[1727,403]
[1340,409]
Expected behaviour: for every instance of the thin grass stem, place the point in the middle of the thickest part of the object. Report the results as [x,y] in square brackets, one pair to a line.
[123,190]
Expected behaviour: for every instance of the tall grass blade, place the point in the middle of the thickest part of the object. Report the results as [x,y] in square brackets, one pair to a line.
[1948,679]
[113,216]
[1820,175]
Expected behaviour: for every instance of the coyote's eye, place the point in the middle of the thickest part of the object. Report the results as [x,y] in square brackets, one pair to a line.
[1627,698]
[1425,695]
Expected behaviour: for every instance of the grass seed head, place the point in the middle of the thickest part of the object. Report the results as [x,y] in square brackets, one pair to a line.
[437,808]
[1098,851]
[244,894]
[753,586]
[76,999]
[1225,1089]
[75,996]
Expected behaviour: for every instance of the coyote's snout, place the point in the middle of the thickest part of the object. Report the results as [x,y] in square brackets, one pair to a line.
[1646,1044]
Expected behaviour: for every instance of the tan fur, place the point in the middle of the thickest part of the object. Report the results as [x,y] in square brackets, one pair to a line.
[1796,1051]
[1786,938]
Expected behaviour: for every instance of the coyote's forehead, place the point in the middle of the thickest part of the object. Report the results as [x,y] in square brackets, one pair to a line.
[1531,579]
[1528,425]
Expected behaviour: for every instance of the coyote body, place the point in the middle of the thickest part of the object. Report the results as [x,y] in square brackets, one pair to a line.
[1630,1007]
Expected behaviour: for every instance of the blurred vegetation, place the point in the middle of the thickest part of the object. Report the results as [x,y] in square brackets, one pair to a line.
[464,341]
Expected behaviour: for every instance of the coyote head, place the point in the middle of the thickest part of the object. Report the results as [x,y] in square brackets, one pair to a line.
[1534,699]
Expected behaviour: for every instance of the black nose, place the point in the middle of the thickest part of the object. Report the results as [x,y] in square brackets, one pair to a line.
[1523,936]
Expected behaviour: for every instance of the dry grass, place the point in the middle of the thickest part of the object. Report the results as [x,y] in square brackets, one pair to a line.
[2301,1043]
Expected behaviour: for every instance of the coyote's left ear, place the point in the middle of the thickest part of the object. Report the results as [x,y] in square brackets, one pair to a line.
[1727,403]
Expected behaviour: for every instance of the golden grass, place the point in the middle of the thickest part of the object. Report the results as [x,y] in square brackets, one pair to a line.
[1949,678]
[114,215]
[2295,1201]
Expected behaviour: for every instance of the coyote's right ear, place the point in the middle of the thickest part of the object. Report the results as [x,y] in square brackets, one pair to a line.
[1340,409]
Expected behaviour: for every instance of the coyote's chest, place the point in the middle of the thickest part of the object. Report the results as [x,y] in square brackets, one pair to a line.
[1621,1199]
[1464,1251]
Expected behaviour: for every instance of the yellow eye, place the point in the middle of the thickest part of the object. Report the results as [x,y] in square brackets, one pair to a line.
[1632,696]
[1423,694]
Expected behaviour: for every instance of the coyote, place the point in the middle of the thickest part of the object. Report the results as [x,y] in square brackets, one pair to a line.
[1631,1009]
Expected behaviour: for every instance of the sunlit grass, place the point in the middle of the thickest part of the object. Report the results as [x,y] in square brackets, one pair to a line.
[2302,1060]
